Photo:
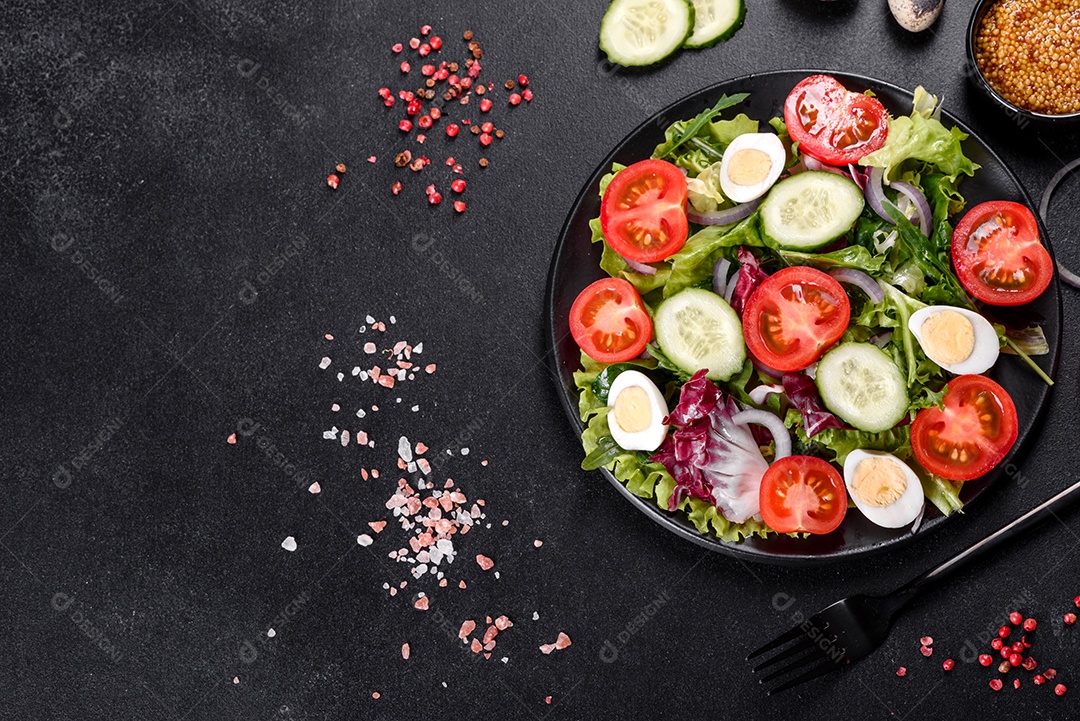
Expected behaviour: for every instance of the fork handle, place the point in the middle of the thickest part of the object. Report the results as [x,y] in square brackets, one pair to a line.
[995,540]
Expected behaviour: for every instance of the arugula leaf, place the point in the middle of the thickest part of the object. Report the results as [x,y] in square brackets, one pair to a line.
[853,256]
[680,132]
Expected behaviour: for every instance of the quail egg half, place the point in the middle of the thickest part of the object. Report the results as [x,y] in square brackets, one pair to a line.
[959,340]
[638,410]
[752,164]
[883,487]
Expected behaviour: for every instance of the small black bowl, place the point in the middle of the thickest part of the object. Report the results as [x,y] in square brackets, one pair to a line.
[975,73]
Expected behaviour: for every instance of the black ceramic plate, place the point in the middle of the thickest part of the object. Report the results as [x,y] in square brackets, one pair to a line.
[576,264]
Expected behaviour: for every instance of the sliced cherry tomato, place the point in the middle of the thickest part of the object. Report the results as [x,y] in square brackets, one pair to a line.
[643,212]
[803,494]
[833,124]
[794,316]
[971,435]
[609,321]
[998,256]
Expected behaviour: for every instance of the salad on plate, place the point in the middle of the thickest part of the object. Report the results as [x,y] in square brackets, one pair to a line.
[792,329]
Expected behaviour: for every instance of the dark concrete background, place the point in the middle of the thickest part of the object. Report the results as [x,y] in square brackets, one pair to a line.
[133,150]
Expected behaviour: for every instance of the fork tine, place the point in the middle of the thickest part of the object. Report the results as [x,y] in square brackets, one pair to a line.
[819,670]
[800,662]
[787,653]
[777,642]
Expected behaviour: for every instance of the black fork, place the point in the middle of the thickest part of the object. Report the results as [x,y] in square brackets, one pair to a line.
[853,627]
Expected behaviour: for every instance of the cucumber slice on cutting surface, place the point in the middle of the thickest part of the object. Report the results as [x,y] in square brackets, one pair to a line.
[643,32]
[715,20]
[698,329]
[860,383]
[810,209]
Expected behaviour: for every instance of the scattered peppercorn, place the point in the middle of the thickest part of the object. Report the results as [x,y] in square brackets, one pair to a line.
[452,130]
[948,664]
[458,186]
[1030,624]
[396,187]
[515,99]
[332,180]
[485,105]
[459,206]
[436,42]
[341,168]
[500,133]
[405,67]
[1060,689]
[485,139]
[402,159]
[424,121]
[468,35]
[523,80]
[509,85]
[405,125]
[483,162]
[435,198]
[527,94]
[1070,619]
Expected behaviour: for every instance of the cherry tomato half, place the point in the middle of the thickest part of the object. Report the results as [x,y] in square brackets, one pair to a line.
[609,321]
[803,494]
[998,256]
[971,435]
[643,211]
[833,124]
[794,316]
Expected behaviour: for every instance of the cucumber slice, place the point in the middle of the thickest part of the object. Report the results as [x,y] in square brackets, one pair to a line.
[698,329]
[715,20]
[643,32]
[860,383]
[810,209]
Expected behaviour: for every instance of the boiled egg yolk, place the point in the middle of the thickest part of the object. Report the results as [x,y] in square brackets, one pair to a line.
[749,167]
[878,482]
[948,336]
[632,410]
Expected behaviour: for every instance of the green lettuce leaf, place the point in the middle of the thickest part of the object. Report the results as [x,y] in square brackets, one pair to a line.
[915,137]
[694,262]
[853,256]
[724,131]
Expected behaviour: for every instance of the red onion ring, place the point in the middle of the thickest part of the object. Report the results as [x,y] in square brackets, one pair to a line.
[776,428]
[761,394]
[922,205]
[858,176]
[719,278]
[722,217]
[730,291]
[875,193]
[813,163]
[862,281]
[639,267]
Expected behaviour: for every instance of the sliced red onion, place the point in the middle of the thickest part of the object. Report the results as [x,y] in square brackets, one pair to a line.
[771,372]
[875,193]
[922,205]
[882,339]
[862,281]
[811,371]
[760,394]
[813,163]
[858,176]
[776,428]
[640,267]
[730,290]
[719,276]
[722,217]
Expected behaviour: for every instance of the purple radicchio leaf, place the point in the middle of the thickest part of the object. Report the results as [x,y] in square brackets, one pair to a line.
[750,277]
[803,394]
[709,456]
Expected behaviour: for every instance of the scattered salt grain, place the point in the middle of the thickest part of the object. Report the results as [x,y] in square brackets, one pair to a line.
[377,526]
[421,603]
[356,370]
[375,695]
[335,408]
[505,659]
[364,539]
[330,434]
[429,369]
[414,409]
[344,438]
[231,439]
[314,488]
[538,543]
[393,319]
[369,320]
[324,363]
[405,651]
[289,544]
[340,377]
[360,413]
[236,679]
[536,616]
[484,562]
[405,449]
[418,348]
[271,633]
[328,337]
[369,348]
